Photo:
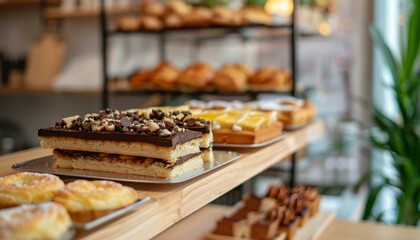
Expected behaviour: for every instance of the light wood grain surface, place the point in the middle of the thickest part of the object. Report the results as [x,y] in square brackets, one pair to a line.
[171,203]
[203,221]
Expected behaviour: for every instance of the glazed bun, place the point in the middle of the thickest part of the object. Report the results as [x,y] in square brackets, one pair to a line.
[26,187]
[46,220]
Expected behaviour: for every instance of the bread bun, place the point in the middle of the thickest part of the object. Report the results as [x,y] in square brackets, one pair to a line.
[165,76]
[178,7]
[150,22]
[230,79]
[199,17]
[152,8]
[87,200]
[128,23]
[39,221]
[26,187]
[197,76]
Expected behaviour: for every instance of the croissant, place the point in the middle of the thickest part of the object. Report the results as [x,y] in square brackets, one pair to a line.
[198,76]
[230,79]
[165,76]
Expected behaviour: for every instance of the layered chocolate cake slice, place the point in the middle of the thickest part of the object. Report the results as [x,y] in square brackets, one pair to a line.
[110,131]
[124,143]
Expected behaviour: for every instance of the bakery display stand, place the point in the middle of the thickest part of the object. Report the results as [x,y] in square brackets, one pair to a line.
[106,33]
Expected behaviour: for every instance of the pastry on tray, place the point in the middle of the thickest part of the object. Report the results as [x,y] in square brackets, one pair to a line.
[178,7]
[150,22]
[295,112]
[242,126]
[271,79]
[286,220]
[312,196]
[231,78]
[283,209]
[152,8]
[88,200]
[155,144]
[128,23]
[142,80]
[173,21]
[26,187]
[198,17]
[197,76]
[46,220]
[165,76]
[255,15]
[224,16]
[113,132]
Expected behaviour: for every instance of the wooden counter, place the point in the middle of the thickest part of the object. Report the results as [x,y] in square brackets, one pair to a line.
[172,203]
[203,221]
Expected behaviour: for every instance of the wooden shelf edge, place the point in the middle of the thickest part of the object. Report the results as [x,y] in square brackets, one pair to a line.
[175,202]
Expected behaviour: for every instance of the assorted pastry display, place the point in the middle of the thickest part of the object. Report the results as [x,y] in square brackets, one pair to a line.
[242,126]
[290,111]
[41,206]
[201,76]
[231,126]
[281,210]
[175,14]
[149,143]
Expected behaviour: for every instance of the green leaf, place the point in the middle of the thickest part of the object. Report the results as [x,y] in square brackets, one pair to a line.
[383,121]
[386,52]
[380,217]
[373,194]
[413,40]
[378,144]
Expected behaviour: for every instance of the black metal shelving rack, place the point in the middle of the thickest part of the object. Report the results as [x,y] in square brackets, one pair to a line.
[105,33]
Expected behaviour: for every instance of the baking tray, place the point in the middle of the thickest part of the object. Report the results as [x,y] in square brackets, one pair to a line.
[69,235]
[111,216]
[46,165]
[256,145]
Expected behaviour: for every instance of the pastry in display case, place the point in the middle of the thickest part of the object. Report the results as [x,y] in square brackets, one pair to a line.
[242,126]
[149,22]
[27,188]
[197,76]
[89,200]
[291,111]
[165,76]
[232,78]
[156,144]
[281,211]
[200,76]
[179,14]
[271,79]
[47,220]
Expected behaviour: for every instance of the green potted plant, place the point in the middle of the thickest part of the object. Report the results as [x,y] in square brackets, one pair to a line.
[400,135]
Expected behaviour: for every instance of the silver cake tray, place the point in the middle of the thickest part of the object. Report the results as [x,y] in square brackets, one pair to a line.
[255,145]
[46,165]
[111,216]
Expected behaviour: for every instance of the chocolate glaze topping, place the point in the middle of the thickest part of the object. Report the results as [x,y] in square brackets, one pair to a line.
[156,127]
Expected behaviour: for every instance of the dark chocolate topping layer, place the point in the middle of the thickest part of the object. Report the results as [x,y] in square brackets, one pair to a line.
[170,141]
[156,127]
